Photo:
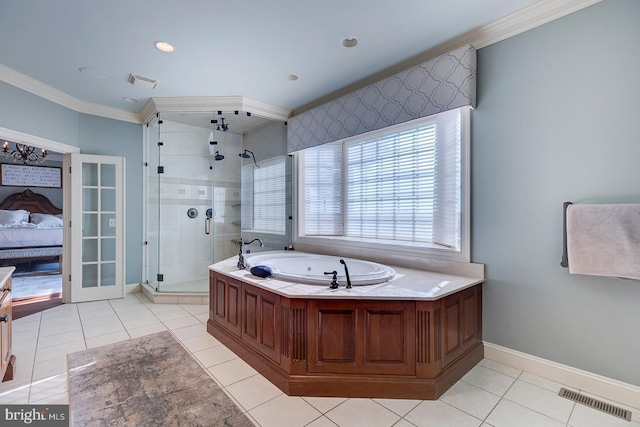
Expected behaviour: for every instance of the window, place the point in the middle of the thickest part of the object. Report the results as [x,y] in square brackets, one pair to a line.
[263,196]
[403,186]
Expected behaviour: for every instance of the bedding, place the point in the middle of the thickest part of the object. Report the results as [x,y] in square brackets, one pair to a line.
[30,227]
[18,216]
[46,220]
[29,235]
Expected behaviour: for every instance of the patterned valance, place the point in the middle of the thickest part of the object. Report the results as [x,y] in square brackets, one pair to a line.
[440,84]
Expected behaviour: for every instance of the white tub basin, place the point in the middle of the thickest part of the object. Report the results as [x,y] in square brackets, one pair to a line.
[300,267]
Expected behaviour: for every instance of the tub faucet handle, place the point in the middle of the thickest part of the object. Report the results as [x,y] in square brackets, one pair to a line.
[334,281]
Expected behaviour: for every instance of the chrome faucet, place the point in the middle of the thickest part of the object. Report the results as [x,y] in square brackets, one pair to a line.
[346,272]
[241,265]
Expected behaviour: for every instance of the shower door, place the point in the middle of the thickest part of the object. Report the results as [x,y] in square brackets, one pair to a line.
[179,197]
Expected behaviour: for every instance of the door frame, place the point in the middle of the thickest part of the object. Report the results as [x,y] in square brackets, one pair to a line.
[65,150]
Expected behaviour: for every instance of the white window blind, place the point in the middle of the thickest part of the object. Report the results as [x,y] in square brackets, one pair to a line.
[399,187]
[264,197]
[323,190]
[390,186]
[446,209]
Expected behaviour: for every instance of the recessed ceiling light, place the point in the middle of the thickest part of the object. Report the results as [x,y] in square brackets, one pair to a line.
[291,77]
[132,100]
[92,72]
[164,46]
[349,42]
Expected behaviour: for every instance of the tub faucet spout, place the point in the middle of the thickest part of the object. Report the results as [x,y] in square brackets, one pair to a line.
[346,272]
[241,264]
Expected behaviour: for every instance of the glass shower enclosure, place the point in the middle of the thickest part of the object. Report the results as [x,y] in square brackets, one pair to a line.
[203,193]
[192,200]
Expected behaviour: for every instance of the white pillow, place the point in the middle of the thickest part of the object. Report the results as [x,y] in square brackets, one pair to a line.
[13,217]
[46,220]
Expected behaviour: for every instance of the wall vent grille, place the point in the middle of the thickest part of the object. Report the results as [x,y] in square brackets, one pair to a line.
[595,404]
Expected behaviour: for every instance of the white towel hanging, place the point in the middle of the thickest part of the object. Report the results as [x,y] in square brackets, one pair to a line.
[604,240]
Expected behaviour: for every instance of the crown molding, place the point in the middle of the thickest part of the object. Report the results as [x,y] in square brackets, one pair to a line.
[42,90]
[110,113]
[37,141]
[213,103]
[518,22]
[38,88]
[525,19]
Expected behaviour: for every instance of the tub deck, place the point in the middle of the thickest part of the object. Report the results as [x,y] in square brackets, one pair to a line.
[410,338]
[408,284]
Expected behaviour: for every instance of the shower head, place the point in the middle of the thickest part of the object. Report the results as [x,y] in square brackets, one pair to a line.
[247,155]
[218,156]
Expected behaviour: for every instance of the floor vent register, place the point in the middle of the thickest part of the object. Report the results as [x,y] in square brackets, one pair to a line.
[595,404]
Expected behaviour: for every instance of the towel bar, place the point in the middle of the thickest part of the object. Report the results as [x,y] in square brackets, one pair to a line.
[565,257]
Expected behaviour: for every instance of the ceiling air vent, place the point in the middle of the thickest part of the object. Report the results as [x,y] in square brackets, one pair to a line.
[143,81]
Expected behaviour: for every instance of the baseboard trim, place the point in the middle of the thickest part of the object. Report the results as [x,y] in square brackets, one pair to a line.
[605,387]
[174,297]
[132,288]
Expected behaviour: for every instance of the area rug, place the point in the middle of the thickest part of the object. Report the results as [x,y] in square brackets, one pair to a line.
[29,286]
[146,381]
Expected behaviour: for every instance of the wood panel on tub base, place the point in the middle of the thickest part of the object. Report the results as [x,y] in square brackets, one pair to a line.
[349,348]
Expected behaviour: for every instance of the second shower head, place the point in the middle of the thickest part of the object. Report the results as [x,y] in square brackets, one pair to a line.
[247,155]
[218,156]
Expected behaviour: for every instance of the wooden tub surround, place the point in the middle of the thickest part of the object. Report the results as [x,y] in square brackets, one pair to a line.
[410,338]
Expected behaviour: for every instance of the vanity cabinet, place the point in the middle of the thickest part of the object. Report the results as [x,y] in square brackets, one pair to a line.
[7,360]
[413,349]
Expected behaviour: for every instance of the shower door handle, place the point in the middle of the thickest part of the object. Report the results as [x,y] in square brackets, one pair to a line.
[207,226]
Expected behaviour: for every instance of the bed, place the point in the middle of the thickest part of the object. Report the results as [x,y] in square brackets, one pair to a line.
[30,228]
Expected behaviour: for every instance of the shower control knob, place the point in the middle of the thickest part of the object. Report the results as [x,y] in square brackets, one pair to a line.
[4,318]
[192,213]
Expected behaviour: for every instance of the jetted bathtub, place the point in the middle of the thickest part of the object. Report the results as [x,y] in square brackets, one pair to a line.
[300,267]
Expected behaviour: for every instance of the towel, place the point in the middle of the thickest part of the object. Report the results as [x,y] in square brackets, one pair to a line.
[604,240]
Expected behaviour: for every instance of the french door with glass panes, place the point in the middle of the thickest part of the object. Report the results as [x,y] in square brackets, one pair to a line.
[97,228]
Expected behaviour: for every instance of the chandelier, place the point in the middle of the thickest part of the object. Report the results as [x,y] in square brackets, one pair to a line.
[24,153]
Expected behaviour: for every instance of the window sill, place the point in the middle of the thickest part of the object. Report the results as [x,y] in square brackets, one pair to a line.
[371,250]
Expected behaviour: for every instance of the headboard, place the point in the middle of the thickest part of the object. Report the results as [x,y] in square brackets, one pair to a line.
[30,201]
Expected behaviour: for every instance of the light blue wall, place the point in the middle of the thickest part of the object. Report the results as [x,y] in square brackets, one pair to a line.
[556,121]
[30,114]
[107,137]
[24,112]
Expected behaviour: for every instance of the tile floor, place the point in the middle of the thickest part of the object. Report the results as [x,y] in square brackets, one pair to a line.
[491,394]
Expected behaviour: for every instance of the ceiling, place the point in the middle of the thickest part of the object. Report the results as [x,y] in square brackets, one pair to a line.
[242,48]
